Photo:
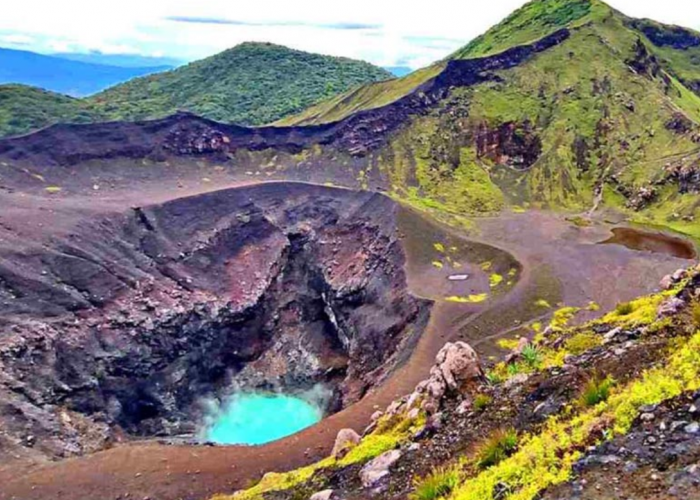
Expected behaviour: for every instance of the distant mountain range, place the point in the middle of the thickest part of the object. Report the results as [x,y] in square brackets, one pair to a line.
[57,74]
[122,60]
[250,84]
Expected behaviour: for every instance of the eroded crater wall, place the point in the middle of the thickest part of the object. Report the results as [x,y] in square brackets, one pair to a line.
[122,324]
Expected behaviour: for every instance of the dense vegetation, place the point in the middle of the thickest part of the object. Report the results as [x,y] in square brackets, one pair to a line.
[251,84]
[25,108]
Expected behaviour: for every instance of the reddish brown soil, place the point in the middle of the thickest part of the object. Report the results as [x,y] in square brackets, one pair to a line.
[559,263]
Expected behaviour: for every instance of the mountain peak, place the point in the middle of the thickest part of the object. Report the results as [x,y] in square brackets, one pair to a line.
[531,22]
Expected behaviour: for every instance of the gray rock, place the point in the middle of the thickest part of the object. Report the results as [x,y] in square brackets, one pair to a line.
[679,275]
[344,441]
[323,495]
[516,380]
[379,468]
[670,307]
[666,282]
[610,336]
[458,363]
[693,428]
[376,416]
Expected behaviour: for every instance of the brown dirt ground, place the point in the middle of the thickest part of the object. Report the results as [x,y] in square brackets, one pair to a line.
[560,262]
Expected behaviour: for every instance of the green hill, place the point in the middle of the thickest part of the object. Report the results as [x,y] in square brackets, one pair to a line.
[250,84]
[24,108]
[609,117]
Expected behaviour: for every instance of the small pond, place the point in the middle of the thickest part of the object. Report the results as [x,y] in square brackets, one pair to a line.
[259,418]
[636,239]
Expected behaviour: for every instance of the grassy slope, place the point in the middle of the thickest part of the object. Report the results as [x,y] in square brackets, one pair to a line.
[25,108]
[601,123]
[532,22]
[250,84]
[677,47]
[370,96]
[580,92]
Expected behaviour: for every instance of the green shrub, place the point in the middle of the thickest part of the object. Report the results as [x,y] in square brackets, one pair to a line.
[582,342]
[696,313]
[624,309]
[497,447]
[437,484]
[494,378]
[531,356]
[515,368]
[596,391]
[481,401]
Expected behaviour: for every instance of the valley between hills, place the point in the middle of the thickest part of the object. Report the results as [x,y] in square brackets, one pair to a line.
[489,266]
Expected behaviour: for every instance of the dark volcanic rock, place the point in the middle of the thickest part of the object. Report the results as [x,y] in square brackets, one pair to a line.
[667,36]
[137,316]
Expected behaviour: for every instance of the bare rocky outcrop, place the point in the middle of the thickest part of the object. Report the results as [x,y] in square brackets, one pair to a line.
[122,326]
[456,370]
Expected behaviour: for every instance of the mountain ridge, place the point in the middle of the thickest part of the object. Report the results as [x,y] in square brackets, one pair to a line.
[240,85]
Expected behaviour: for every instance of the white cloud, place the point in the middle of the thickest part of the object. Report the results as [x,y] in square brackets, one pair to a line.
[386,33]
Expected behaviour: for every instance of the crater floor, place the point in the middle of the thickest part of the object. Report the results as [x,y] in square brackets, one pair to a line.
[320,261]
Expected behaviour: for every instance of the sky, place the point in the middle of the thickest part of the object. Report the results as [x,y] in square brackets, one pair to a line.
[386,33]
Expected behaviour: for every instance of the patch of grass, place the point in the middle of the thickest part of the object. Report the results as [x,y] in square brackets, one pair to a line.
[695,312]
[624,309]
[582,342]
[532,356]
[497,447]
[508,344]
[595,391]
[580,221]
[470,299]
[438,484]
[563,316]
[547,459]
[482,401]
[495,279]
[641,311]
[494,378]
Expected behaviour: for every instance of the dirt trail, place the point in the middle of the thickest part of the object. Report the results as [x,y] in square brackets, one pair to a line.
[559,263]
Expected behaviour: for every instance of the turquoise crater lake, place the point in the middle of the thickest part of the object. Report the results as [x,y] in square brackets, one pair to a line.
[255,419]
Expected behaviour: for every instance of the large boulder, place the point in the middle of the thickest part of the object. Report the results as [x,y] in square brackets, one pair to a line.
[458,363]
[377,469]
[344,442]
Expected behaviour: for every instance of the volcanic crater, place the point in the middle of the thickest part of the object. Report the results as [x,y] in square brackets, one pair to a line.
[124,323]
